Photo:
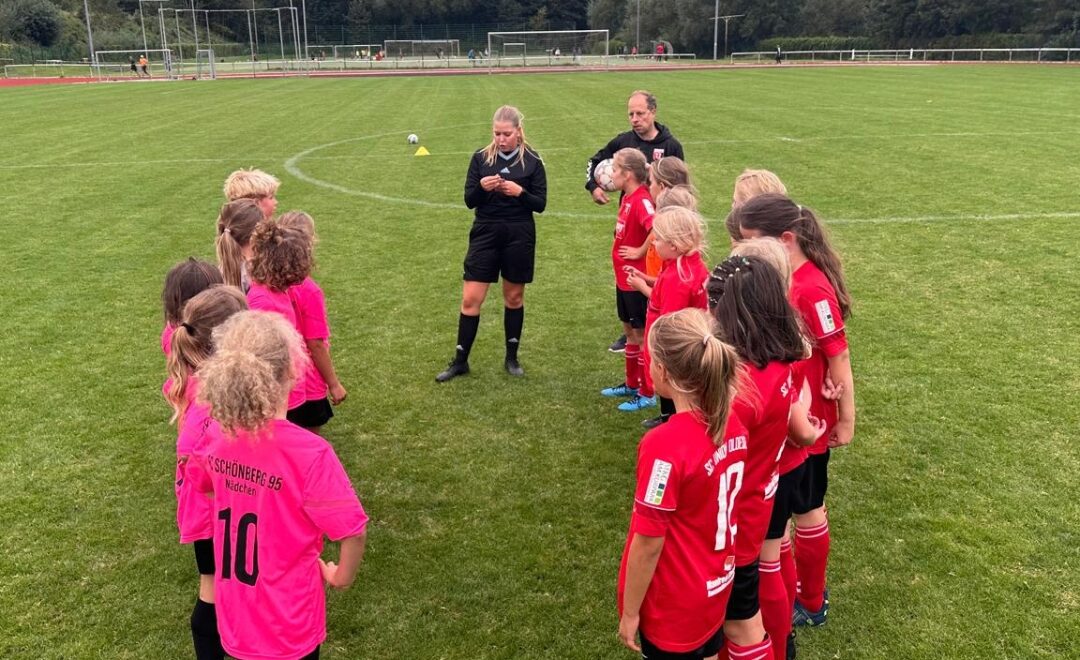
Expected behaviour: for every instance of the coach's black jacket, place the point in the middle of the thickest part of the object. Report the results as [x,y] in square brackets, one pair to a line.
[664,144]
[497,207]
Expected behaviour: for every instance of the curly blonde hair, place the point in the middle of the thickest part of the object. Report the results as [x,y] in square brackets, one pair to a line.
[281,256]
[247,380]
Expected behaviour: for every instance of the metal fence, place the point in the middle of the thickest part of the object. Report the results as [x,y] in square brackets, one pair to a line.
[916,55]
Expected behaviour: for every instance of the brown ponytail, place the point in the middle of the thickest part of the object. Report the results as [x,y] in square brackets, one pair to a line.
[698,364]
[772,214]
[192,341]
[235,224]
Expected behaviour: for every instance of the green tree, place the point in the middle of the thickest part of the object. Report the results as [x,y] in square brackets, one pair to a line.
[38,21]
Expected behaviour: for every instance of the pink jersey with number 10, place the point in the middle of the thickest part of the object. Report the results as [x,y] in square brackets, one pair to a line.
[275,496]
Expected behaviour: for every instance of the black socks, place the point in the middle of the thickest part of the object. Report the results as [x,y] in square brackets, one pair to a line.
[466,335]
[513,320]
[204,632]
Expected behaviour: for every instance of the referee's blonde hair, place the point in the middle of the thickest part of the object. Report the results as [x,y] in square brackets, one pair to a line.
[508,113]
[697,364]
[258,357]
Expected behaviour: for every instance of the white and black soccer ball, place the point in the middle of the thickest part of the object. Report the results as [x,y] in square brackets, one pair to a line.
[603,174]
[413,138]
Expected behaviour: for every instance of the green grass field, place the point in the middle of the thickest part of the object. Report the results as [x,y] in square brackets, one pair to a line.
[499,507]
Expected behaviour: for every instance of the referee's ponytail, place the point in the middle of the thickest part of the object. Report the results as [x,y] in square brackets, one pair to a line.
[512,115]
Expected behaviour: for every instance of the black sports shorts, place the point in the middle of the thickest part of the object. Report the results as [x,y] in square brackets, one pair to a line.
[708,649]
[204,556]
[743,602]
[815,482]
[784,501]
[311,414]
[632,306]
[501,248]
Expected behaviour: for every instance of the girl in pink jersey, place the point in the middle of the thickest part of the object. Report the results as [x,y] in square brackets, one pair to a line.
[314,327]
[280,258]
[748,298]
[820,295]
[235,225]
[190,346]
[182,283]
[277,491]
[679,239]
[679,560]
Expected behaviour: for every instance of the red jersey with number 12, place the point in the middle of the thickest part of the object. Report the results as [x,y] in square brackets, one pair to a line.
[686,492]
[635,222]
[275,497]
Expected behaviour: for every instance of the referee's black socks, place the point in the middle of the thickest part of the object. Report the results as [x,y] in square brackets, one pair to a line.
[513,320]
[466,335]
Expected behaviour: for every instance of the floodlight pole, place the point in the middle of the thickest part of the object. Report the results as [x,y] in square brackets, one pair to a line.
[637,39]
[716,25]
[303,8]
[89,32]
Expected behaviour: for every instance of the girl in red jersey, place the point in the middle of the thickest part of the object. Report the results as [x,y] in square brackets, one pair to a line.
[310,305]
[235,225]
[748,298]
[679,560]
[820,295]
[191,344]
[281,258]
[679,238]
[277,491]
[633,233]
[665,174]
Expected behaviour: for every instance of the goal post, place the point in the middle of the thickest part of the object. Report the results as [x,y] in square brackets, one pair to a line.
[112,64]
[548,47]
[204,64]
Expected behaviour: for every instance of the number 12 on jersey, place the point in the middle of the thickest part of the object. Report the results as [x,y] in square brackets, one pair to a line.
[730,484]
[248,524]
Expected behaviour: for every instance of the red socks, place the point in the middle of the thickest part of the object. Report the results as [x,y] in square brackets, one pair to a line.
[790,573]
[811,561]
[775,606]
[763,650]
[633,368]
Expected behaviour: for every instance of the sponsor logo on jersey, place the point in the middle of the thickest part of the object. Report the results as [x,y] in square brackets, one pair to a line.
[825,316]
[716,586]
[649,208]
[657,154]
[658,480]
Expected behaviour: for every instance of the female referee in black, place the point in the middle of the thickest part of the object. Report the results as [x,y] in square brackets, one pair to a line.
[506,185]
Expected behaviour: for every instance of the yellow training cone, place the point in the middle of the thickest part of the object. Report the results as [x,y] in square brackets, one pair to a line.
[422,152]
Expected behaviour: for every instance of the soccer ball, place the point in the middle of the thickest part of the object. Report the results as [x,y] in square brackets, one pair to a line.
[413,138]
[604,175]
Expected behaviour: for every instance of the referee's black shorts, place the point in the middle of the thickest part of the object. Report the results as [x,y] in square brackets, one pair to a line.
[501,248]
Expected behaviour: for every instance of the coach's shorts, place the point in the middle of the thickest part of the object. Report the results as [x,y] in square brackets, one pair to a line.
[783,503]
[708,649]
[632,306]
[815,482]
[743,602]
[311,414]
[501,248]
[204,556]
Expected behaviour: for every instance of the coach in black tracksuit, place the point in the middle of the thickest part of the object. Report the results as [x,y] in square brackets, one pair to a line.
[646,135]
[506,185]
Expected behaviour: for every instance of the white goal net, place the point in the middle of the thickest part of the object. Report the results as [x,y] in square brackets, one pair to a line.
[548,48]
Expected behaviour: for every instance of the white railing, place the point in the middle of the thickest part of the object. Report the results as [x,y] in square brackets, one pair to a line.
[49,69]
[1043,55]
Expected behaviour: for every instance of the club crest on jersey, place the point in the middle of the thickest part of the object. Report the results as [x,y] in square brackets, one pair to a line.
[657,154]
[658,480]
[825,316]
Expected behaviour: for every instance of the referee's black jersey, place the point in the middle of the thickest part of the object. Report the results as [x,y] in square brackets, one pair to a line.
[664,144]
[497,207]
